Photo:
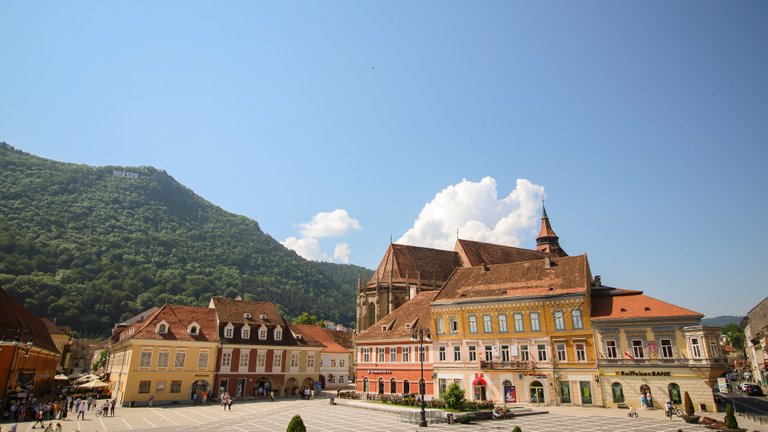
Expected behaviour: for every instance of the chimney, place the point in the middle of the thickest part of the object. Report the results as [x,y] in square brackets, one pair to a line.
[547,262]
[485,267]
[412,291]
[597,282]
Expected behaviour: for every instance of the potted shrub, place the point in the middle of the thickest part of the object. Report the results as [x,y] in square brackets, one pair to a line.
[296,425]
[689,416]
[730,419]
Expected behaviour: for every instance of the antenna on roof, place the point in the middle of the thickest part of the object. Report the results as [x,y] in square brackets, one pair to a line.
[390,239]
[457,233]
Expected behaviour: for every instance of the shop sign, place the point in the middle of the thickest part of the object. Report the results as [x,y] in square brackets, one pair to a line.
[510,395]
[201,376]
[638,373]
[534,374]
[379,371]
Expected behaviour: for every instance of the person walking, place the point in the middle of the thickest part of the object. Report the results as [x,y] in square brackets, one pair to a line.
[81,411]
[58,428]
[90,402]
[151,399]
[112,408]
[668,409]
[38,418]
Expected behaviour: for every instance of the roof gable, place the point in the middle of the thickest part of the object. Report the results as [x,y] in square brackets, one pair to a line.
[14,316]
[414,312]
[475,253]
[631,305]
[178,318]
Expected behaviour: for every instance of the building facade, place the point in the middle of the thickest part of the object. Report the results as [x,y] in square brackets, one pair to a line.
[389,360]
[755,326]
[653,348]
[260,352]
[169,356]
[336,357]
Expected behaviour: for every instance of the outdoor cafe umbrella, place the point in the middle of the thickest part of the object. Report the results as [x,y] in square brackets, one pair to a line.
[61,377]
[93,385]
[86,378]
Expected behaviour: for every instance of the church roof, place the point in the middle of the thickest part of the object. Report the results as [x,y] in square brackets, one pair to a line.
[414,264]
[546,229]
[14,316]
[634,305]
[544,277]
[399,324]
[473,253]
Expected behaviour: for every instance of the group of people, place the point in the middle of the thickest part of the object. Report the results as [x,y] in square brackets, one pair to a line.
[307,393]
[58,409]
[226,401]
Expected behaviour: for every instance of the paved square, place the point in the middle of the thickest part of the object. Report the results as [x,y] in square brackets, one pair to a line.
[319,416]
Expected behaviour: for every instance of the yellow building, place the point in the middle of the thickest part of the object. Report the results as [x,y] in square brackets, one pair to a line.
[518,332]
[651,348]
[167,357]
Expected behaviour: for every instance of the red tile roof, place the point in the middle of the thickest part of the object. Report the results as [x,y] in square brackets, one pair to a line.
[413,264]
[234,311]
[178,319]
[334,341]
[564,275]
[635,305]
[415,312]
[14,316]
[474,253]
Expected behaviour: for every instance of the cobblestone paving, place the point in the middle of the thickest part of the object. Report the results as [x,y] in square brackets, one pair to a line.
[319,416]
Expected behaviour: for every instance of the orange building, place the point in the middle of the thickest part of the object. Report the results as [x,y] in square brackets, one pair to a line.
[28,356]
[388,358]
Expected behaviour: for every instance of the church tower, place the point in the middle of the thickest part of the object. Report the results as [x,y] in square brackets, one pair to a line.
[548,241]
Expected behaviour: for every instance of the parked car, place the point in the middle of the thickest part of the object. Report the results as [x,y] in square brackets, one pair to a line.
[753,390]
[743,386]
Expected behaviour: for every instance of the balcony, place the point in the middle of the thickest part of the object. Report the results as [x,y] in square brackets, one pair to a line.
[506,365]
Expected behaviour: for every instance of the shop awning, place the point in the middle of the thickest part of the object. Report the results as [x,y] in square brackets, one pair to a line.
[479,381]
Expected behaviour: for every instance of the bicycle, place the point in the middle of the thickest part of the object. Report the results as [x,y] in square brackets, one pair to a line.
[632,413]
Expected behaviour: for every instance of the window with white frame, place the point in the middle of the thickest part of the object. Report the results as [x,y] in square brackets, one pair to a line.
[278,333]
[226,359]
[333,363]
[542,348]
[341,362]
[535,325]
[229,331]
[406,354]
[560,349]
[505,353]
[581,352]
[487,326]
[243,359]
[488,353]
[294,360]
[524,354]
[277,360]
[472,353]
[666,349]
[202,360]
[714,350]
[518,317]
[392,354]
[695,348]
[502,323]
[245,332]
[146,359]
[441,353]
[367,354]
[440,325]
[453,323]
[610,349]
[457,353]
[472,323]
[310,361]
[637,349]
[381,355]
[422,354]
[578,323]
[262,333]
[162,359]
[162,327]
[261,359]
[193,329]
[178,361]
[559,320]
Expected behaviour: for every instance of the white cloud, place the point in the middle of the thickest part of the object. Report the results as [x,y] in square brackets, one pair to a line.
[333,224]
[478,213]
[324,224]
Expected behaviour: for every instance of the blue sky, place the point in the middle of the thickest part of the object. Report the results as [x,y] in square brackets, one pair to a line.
[644,123]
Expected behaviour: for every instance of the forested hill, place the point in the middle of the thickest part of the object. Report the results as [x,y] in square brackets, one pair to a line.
[91,246]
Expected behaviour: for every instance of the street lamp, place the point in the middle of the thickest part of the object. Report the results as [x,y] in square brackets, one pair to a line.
[422,334]
[15,343]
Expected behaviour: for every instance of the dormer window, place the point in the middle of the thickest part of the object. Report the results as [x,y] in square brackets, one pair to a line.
[162,327]
[193,329]
[229,331]
[278,333]
[245,333]
[262,333]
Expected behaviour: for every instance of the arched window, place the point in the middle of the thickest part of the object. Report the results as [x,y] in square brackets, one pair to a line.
[406,387]
[365,385]
[381,385]
[392,386]
[674,393]
[618,393]
[537,392]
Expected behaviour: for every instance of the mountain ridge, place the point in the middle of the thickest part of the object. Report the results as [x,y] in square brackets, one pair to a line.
[92,245]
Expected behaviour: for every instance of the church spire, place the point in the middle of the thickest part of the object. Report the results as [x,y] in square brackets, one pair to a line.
[548,241]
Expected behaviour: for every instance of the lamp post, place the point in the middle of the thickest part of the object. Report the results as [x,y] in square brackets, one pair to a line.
[421,335]
[15,343]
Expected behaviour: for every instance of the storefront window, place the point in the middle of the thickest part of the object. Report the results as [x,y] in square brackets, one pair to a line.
[618,393]
[674,393]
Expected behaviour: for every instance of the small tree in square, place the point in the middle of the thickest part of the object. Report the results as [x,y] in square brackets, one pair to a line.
[453,396]
[688,405]
[296,425]
[730,418]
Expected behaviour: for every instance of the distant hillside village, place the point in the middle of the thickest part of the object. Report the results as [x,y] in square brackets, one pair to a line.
[506,324]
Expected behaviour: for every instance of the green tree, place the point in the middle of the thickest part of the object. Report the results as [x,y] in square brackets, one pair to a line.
[735,334]
[453,396]
[306,318]
[688,405]
[296,425]
[730,418]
